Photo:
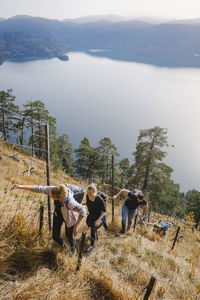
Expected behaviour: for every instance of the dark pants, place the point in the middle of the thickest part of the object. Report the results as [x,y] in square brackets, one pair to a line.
[90,222]
[57,224]
[94,235]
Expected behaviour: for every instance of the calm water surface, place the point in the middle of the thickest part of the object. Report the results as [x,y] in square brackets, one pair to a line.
[99,97]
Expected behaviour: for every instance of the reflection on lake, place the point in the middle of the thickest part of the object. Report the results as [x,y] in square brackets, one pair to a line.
[97,97]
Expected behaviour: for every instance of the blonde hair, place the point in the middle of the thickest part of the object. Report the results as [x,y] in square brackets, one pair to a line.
[92,187]
[59,192]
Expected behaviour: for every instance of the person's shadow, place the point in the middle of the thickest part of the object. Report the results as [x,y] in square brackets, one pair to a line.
[24,262]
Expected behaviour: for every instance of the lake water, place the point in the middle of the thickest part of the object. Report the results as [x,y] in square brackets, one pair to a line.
[98,97]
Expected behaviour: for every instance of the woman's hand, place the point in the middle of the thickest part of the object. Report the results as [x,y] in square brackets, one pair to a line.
[14,187]
[97,223]
[114,197]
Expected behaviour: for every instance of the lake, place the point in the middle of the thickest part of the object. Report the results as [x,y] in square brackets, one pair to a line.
[97,97]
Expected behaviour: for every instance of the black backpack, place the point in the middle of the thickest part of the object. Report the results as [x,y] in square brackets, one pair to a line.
[103,196]
[78,192]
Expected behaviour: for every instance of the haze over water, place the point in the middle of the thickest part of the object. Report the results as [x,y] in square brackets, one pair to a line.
[98,97]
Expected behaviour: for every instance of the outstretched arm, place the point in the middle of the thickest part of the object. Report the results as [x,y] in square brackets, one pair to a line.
[123,191]
[22,187]
[34,188]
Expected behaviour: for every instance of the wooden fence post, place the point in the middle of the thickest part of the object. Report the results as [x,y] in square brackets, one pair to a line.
[81,251]
[175,239]
[150,288]
[48,171]
[135,222]
[41,217]
[149,214]
[113,205]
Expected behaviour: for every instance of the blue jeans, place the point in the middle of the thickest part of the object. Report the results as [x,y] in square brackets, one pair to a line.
[127,213]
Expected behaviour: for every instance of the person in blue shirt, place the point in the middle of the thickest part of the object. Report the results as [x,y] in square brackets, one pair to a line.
[135,198]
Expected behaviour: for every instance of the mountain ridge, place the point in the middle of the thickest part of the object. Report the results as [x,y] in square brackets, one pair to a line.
[173,44]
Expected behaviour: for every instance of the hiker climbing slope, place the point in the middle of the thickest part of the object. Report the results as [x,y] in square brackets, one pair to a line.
[135,198]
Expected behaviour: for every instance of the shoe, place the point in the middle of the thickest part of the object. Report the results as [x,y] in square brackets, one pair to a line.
[73,249]
[65,248]
[88,249]
[128,228]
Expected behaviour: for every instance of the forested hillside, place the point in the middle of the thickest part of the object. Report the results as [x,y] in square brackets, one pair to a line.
[18,45]
[169,44]
[26,128]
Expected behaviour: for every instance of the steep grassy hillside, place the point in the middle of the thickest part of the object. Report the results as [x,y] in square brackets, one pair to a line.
[32,266]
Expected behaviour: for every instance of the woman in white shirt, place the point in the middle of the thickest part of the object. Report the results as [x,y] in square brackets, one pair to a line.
[63,198]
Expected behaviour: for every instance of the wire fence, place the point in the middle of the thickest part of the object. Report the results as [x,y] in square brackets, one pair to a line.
[27,206]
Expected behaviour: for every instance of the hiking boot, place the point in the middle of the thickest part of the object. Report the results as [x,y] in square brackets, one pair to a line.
[122,232]
[73,249]
[128,227]
[88,249]
[65,248]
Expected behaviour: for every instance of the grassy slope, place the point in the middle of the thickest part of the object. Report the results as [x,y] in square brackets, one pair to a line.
[33,267]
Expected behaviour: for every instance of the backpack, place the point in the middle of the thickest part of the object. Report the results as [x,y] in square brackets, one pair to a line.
[78,192]
[164,226]
[103,196]
[136,192]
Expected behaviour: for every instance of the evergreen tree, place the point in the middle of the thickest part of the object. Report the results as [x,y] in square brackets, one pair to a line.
[8,113]
[105,151]
[54,144]
[83,154]
[29,115]
[148,155]
[193,203]
[124,166]
[65,153]
[36,117]
[150,174]
[20,128]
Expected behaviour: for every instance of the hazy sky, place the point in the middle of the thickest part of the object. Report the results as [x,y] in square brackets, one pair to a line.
[61,9]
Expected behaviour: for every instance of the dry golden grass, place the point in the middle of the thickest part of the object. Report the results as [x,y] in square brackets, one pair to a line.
[32,266]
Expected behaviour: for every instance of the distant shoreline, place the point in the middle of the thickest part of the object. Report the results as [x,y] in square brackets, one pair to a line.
[27,58]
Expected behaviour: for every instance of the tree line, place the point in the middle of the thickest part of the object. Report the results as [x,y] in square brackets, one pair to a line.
[147,172]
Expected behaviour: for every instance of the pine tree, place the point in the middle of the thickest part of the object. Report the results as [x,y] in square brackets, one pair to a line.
[150,174]
[65,153]
[36,117]
[105,151]
[193,204]
[8,113]
[124,166]
[30,115]
[148,154]
[83,162]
